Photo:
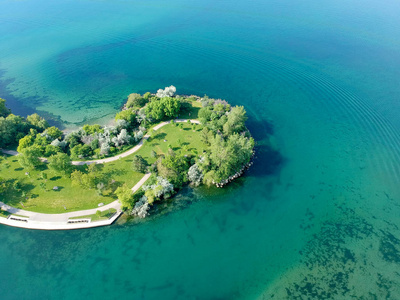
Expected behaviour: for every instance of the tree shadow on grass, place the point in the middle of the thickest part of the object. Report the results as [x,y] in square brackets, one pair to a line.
[159,136]
[12,196]
[117,172]
[18,169]
[55,178]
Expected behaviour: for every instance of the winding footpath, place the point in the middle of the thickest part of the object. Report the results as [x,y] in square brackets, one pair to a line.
[33,220]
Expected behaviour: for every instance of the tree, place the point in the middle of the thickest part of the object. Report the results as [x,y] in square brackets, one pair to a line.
[4,111]
[30,157]
[92,129]
[139,164]
[81,151]
[141,208]
[51,150]
[53,132]
[174,167]
[60,163]
[155,110]
[12,128]
[136,100]
[206,136]
[25,142]
[205,114]
[171,106]
[236,121]
[125,196]
[167,92]
[37,121]
[195,175]
[128,115]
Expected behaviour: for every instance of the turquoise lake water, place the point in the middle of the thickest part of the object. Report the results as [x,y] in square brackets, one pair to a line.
[316,217]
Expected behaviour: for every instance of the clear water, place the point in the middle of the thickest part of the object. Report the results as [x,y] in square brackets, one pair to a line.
[317,218]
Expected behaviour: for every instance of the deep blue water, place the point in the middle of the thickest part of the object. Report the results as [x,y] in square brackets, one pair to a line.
[318,214]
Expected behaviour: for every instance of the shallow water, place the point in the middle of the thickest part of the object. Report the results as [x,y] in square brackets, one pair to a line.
[316,216]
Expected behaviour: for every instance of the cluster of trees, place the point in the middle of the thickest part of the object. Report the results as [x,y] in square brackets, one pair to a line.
[225,157]
[167,107]
[174,167]
[88,141]
[91,178]
[13,128]
[230,146]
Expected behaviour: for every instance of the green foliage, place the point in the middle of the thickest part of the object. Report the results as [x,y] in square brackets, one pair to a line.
[29,157]
[225,157]
[136,100]
[53,132]
[165,107]
[92,129]
[206,136]
[4,111]
[51,150]
[12,128]
[25,142]
[236,121]
[37,121]
[125,196]
[60,163]
[73,139]
[155,110]
[139,164]
[81,151]
[171,107]
[128,115]
[174,167]
[91,179]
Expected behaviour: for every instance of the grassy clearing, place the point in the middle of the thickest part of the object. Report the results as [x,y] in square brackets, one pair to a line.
[185,140]
[105,215]
[36,194]
[34,197]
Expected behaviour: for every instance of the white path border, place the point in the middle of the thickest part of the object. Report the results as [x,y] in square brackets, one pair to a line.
[60,221]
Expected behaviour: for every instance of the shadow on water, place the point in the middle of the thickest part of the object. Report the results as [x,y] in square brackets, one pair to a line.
[260,129]
[267,161]
[17,106]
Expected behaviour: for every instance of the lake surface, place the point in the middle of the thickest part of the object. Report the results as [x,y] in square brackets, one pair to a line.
[317,215]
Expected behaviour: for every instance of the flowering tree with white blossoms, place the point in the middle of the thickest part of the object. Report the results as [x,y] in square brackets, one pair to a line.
[169,91]
[141,208]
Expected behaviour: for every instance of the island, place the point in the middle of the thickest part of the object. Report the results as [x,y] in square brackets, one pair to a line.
[158,143]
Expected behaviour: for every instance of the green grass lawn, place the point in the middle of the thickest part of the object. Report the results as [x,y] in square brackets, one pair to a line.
[34,197]
[185,140]
[105,215]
